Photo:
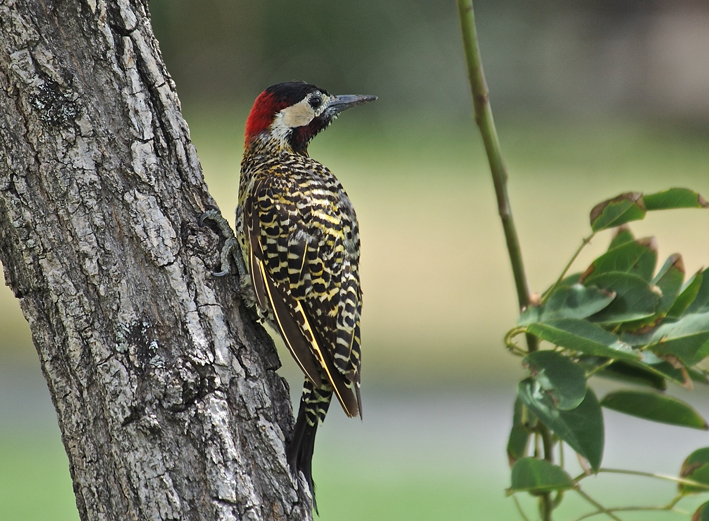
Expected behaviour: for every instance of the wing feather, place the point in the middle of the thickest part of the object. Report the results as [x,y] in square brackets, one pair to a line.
[303,268]
[266,294]
[297,344]
[257,280]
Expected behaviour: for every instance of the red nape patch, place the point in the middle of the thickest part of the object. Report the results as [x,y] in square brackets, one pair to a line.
[261,116]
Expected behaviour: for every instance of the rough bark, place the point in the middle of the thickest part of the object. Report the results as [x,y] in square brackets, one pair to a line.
[165,390]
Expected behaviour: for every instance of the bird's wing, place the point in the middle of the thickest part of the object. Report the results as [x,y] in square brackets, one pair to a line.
[267,295]
[310,281]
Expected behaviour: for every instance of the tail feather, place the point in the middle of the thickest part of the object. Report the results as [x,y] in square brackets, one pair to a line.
[314,403]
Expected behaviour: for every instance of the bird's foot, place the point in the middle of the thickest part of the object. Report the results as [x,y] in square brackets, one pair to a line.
[230,251]
[220,224]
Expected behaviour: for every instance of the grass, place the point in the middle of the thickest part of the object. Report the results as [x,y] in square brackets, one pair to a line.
[34,479]
[414,497]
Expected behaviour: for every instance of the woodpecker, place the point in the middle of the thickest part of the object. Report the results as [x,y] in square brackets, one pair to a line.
[299,237]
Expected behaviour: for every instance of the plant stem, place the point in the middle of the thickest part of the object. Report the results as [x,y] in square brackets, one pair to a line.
[601,508]
[546,503]
[584,242]
[546,506]
[486,123]
[511,346]
[519,508]
[628,509]
[601,367]
[483,117]
[669,507]
[683,481]
[674,501]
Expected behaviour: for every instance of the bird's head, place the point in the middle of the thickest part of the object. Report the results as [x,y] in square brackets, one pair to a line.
[288,115]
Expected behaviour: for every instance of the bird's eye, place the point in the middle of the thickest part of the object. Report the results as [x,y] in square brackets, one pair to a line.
[315,101]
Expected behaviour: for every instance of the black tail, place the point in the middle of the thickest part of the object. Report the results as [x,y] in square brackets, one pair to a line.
[313,408]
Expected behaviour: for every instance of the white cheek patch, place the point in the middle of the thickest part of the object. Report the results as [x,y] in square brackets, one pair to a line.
[298,115]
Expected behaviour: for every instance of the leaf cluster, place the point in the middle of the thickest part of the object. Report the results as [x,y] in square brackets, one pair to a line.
[621,318]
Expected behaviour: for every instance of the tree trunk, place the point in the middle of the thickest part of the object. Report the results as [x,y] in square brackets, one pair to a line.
[165,390]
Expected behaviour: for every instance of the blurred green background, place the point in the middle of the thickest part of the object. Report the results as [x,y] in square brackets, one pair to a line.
[592,98]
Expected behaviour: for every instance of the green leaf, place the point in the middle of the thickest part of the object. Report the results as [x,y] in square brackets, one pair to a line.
[581,428]
[687,339]
[636,339]
[674,198]
[522,424]
[687,295]
[696,468]
[569,280]
[702,513]
[701,300]
[538,476]
[629,372]
[676,372]
[619,210]
[583,336]
[635,373]
[698,376]
[636,257]
[654,407]
[668,371]
[529,315]
[634,298]
[669,279]
[621,235]
[563,380]
[575,301]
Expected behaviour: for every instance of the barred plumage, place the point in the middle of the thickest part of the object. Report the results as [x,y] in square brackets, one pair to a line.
[299,236]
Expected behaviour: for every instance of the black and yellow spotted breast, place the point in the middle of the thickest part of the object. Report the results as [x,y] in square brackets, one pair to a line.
[302,237]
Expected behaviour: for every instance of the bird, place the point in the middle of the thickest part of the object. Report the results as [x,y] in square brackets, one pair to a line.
[298,234]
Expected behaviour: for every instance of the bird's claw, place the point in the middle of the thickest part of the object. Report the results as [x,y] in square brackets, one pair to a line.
[230,249]
[214,215]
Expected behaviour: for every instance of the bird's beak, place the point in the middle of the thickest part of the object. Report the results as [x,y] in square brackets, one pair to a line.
[339,103]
